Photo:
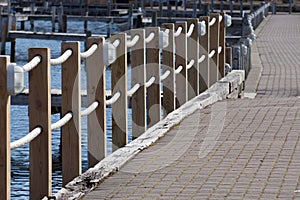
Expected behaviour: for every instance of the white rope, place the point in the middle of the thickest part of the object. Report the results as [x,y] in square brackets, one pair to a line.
[179,30]
[212,22]
[63,121]
[26,139]
[165,75]
[191,29]
[167,31]
[113,99]
[133,42]
[62,58]
[150,82]
[150,37]
[32,64]
[116,43]
[190,65]
[201,59]
[211,54]
[133,90]
[89,52]
[220,18]
[219,49]
[90,109]
[178,70]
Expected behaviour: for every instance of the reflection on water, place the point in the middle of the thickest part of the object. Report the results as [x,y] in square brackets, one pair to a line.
[20,120]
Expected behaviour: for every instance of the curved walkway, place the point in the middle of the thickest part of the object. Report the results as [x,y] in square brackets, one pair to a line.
[234,149]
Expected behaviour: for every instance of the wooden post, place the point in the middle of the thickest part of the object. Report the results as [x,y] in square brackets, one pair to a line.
[71,102]
[53,18]
[181,59]
[204,50]
[193,54]
[96,92]
[153,70]
[4,31]
[40,115]
[138,75]
[119,84]
[222,44]
[4,131]
[154,18]
[13,41]
[168,102]
[214,44]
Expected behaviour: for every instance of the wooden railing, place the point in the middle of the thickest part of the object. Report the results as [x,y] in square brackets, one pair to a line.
[189,63]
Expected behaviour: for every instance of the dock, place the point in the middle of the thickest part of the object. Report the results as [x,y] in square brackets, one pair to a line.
[233,149]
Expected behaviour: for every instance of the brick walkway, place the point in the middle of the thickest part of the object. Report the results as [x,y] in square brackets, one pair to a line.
[234,149]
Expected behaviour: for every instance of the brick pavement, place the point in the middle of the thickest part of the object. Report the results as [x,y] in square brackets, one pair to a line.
[234,149]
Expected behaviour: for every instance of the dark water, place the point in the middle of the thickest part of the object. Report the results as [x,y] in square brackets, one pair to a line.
[19,114]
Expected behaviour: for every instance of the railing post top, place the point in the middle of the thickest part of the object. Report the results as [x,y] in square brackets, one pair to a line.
[95,39]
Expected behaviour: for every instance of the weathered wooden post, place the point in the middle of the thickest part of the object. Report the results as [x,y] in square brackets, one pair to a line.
[4,131]
[168,102]
[13,41]
[4,31]
[222,47]
[53,18]
[138,76]
[40,116]
[153,70]
[71,102]
[214,45]
[193,55]
[229,55]
[204,51]
[96,92]
[119,84]
[181,60]
[154,18]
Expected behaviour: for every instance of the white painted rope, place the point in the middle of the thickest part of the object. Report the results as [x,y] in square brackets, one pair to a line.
[190,65]
[167,31]
[63,121]
[89,52]
[212,21]
[179,30]
[26,139]
[165,75]
[220,18]
[179,69]
[150,37]
[191,29]
[150,82]
[133,89]
[211,54]
[116,43]
[62,58]
[32,64]
[201,59]
[219,49]
[133,42]
[90,109]
[113,99]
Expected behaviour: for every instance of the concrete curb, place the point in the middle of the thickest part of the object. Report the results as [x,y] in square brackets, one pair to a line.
[229,86]
[254,75]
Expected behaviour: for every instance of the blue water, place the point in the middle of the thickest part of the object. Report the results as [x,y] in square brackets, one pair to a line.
[19,114]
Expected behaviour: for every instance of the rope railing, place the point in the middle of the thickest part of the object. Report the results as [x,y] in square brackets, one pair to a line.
[211,54]
[150,37]
[26,139]
[113,99]
[90,109]
[220,18]
[212,21]
[63,121]
[179,69]
[178,31]
[201,59]
[62,58]
[191,29]
[116,43]
[165,75]
[133,89]
[219,49]
[133,42]
[32,64]
[150,82]
[89,52]
[190,65]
